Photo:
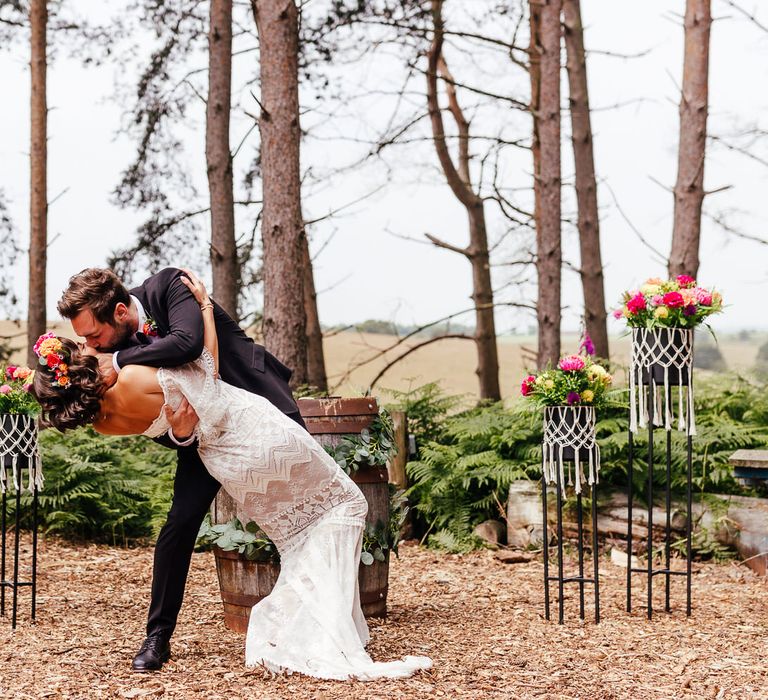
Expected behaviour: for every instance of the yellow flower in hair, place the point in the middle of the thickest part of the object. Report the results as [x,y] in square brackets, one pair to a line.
[49,345]
[63,367]
[63,381]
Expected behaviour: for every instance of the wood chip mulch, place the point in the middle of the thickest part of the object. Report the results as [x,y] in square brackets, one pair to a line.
[480,620]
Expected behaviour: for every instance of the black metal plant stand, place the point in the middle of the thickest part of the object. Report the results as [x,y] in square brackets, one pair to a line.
[653,377]
[10,539]
[561,578]
[580,578]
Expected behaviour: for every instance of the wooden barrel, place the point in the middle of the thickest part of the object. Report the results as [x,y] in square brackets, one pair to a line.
[243,583]
[329,420]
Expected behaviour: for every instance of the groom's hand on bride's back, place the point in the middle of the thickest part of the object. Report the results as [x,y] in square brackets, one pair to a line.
[183,420]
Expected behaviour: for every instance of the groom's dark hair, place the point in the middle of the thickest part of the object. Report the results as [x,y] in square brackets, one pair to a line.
[96,289]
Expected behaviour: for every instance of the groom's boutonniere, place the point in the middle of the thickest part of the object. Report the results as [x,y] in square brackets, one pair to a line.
[149,328]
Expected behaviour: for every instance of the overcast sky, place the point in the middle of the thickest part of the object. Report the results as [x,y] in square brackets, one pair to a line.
[364,271]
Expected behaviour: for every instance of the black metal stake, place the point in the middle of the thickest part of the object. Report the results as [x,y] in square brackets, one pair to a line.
[16,550]
[545,540]
[34,551]
[668,528]
[629,521]
[3,519]
[560,581]
[596,581]
[651,410]
[580,520]
[689,521]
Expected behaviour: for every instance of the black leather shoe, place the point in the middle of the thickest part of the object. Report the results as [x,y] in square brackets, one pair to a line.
[155,651]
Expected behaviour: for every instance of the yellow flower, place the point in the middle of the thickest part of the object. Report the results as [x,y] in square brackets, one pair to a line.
[539,380]
[650,289]
[63,367]
[587,396]
[625,312]
[549,384]
[63,381]
[49,345]
[661,312]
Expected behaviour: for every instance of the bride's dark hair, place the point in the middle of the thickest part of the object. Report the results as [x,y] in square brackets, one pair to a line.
[78,403]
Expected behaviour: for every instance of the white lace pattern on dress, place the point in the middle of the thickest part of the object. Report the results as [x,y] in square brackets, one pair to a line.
[315,514]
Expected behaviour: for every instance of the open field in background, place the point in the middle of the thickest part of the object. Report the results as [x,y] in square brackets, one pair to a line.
[451,362]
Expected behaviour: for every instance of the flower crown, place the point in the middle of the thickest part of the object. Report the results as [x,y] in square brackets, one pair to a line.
[51,352]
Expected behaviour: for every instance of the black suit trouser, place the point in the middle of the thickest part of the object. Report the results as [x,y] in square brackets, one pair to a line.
[193,492]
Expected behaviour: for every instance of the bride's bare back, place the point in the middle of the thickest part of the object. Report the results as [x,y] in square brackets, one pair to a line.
[131,405]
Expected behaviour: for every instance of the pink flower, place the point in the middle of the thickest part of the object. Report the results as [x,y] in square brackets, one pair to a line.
[657,300]
[703,296]
[21,372]
[5,389]
[685,281]
[10,370]
[572,398]
[587,345]
[673,299]
[571,363]
[636,304]
[618,313]
[527,386]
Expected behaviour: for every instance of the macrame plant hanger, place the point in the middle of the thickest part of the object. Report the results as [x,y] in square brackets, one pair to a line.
[569,437]
[18,453]
[661,359]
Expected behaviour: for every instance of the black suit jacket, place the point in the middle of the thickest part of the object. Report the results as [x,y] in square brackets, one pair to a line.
[243,363]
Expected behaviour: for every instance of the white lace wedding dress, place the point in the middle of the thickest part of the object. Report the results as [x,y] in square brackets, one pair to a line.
[315,514]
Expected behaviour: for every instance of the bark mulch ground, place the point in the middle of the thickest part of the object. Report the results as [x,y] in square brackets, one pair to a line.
[480,620]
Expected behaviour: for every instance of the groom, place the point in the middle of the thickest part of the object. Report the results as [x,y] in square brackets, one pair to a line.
[159,324]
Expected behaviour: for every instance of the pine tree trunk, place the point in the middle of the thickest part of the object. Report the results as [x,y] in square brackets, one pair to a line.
[282,230]
[482,296]
[545,106]
[694,104]
[38,200]
[316,375]
[224,262]
[458,178]
[586,184]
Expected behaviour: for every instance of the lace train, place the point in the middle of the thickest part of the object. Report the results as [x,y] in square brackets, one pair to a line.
[285,481]
[312,623]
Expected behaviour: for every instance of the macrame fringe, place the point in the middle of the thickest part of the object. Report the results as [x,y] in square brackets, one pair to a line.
[580,436]
[18,438]
[642,396]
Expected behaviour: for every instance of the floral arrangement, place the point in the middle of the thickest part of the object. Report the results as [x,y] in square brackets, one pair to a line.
[676,303]
[15,391]
[51,352]
[577,380]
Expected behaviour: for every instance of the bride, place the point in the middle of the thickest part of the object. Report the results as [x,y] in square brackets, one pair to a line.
[279,475]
